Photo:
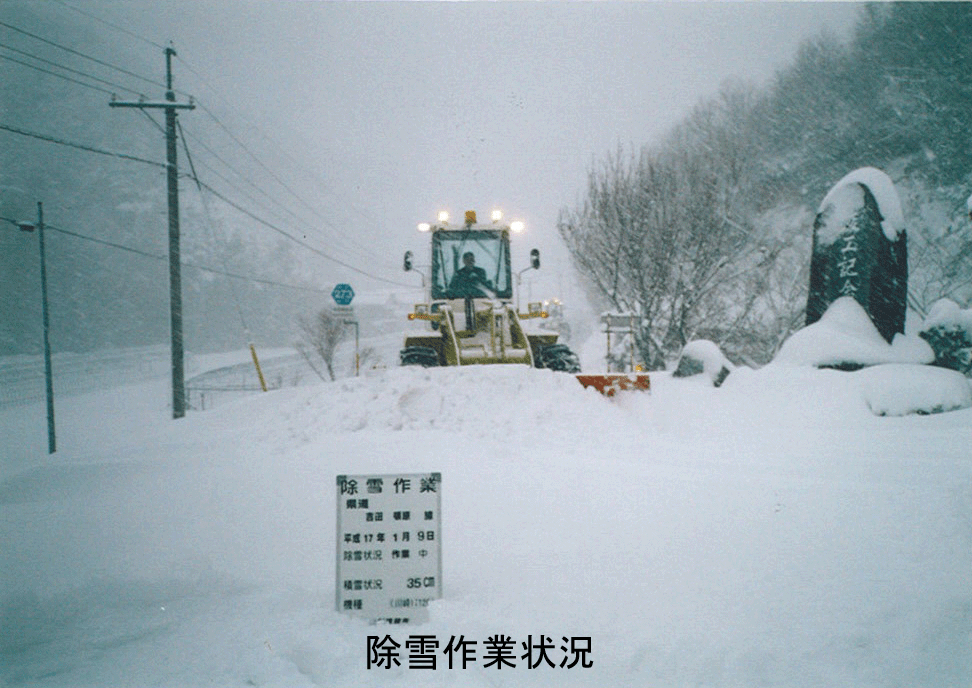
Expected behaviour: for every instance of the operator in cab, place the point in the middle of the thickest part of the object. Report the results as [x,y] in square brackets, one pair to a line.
[469,280]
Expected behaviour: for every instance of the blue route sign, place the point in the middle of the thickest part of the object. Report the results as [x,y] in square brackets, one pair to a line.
[342,294]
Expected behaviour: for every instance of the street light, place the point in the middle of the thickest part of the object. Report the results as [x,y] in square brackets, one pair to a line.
[534,265]
[407,264]
[48,377]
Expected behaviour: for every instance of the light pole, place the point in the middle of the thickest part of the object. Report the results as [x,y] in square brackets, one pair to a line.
[48,376]
[534,265]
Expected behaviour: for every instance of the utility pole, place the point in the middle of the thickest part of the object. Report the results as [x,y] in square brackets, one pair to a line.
[175,271]
[48,373]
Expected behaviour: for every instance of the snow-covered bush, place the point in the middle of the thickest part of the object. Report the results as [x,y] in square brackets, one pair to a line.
[703,357]
[948,330]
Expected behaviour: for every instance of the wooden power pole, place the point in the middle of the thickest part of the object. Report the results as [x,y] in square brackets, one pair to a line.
[175,272]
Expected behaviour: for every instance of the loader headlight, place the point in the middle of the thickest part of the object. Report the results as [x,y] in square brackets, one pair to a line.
[517,226]
[496,215]
[424,227]
[443,216]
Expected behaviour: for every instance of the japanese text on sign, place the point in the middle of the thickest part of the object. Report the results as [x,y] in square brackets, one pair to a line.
[499,651]
[847,264]
[389,563]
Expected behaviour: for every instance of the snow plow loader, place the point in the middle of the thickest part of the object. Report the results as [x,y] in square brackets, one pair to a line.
[470,312]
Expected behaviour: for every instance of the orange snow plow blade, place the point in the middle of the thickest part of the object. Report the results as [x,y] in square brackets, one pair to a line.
[610,384]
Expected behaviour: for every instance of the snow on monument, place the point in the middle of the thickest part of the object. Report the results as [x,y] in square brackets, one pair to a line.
[860,250]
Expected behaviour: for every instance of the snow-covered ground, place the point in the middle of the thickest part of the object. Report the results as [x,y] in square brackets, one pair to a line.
[772,532]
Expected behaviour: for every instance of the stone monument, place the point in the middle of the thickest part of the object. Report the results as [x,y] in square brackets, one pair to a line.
[860,250]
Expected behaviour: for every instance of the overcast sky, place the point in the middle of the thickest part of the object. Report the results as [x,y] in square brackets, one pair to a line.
[400,109]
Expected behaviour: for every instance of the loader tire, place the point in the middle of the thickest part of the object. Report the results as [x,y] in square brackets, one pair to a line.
[419,355]
[559,357]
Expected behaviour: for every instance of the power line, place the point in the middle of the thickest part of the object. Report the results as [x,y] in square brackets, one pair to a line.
[113,26]
[271,140]
[80,146]
[239,174]
[257,280]
[350,248]
[61,76]
[162,257]
[212,232]
[211,190]
[67,69]
[93,149]
[149,117]
[270,225]
[255,158]
[251,198]
[342,238]
[335,235]
[80,54]
[121,247]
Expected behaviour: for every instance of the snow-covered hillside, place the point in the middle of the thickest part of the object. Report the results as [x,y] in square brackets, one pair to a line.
[774,531]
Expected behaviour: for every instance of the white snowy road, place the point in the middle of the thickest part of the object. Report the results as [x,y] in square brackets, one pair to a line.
[770,532]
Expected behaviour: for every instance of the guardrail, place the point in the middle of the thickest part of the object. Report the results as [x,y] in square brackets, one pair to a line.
[22,377]
[206,390]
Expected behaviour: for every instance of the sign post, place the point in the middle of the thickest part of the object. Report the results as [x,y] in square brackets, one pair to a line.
[343,294]
[389,546]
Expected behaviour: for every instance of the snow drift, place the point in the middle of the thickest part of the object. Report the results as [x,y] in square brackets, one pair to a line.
[772,531]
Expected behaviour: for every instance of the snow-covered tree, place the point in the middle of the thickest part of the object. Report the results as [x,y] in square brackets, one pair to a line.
[671,234]
[320,337]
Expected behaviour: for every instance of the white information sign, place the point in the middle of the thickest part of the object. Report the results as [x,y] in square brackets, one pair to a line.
[389,549]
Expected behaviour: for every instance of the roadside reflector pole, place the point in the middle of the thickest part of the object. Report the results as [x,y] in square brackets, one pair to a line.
[256,362]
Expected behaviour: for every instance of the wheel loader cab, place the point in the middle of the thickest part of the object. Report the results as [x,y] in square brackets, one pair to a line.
[455,251]
[470,264]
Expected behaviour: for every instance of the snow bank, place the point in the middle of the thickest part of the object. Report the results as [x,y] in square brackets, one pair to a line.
[703,357]
[845,335]
[845,197]
[480,400]
[899,390]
